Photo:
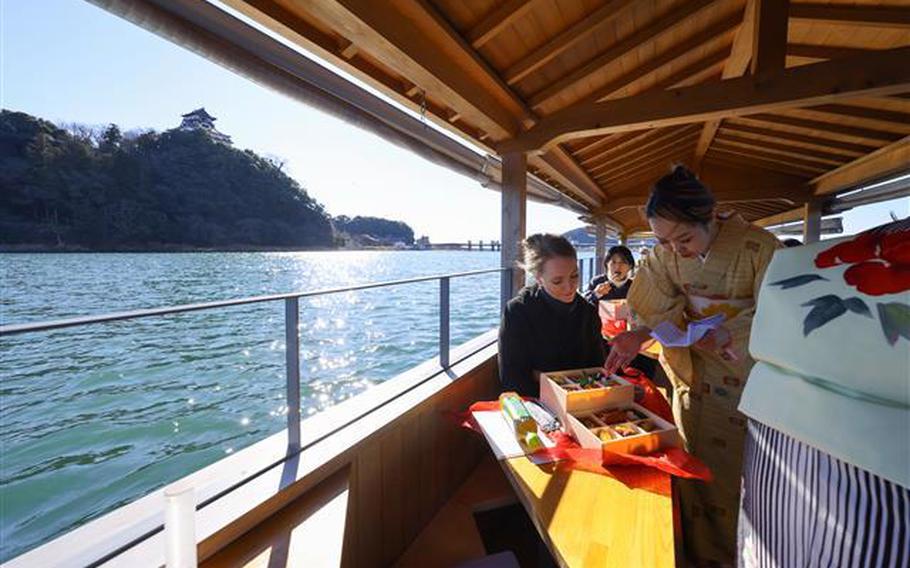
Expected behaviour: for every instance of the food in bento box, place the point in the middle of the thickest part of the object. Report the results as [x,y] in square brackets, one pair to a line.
[605,434]
[611,383]
[626,429]
[561,381]
[634,415]
[647,425]
[590,422]
[613,416]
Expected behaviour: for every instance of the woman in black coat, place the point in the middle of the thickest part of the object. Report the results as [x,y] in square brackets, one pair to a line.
[548,326]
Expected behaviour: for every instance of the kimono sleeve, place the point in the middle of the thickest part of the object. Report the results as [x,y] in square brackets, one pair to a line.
[654,297]
[741,325]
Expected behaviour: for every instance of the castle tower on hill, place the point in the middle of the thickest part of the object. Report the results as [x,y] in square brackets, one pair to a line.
[201,120]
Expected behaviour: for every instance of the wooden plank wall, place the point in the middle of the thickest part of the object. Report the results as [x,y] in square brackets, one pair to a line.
[403,474]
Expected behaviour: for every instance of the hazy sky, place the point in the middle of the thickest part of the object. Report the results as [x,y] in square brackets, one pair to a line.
[68,61]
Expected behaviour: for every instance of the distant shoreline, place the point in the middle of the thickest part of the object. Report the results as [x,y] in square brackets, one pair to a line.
[44,249]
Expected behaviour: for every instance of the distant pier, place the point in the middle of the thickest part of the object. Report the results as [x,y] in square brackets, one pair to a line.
[470,245]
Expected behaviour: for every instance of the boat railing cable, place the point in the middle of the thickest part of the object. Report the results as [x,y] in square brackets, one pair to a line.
[291,324]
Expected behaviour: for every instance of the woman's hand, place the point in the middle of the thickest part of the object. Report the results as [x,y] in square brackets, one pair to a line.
[603,289]
[720,341]
[623,348]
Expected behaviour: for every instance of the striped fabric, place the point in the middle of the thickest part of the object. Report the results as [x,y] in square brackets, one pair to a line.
[802,507]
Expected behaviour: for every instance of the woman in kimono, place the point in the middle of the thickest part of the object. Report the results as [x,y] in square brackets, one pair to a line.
[705,264]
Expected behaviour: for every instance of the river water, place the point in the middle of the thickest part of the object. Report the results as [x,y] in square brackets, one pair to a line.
[94,417]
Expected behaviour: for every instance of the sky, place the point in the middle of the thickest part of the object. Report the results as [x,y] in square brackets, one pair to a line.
[69,61]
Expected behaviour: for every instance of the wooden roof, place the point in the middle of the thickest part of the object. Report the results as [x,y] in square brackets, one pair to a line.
[773,104]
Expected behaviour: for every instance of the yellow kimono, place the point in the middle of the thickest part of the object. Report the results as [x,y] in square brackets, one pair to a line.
[706,387]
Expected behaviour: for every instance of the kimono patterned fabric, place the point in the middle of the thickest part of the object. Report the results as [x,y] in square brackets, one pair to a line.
[826,479]
[706,387]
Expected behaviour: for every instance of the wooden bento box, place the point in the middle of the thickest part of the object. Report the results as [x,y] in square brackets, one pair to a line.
[626,428]
[579,390]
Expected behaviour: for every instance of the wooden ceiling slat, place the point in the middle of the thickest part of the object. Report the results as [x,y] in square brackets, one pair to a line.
[495,21]
[763,162]
[823,51]
[666,148]
[819,129]
[669,56]
[666,23]
[864,113]
[737,160]
[619,143]
[847,149]
[771,156]
[660,161]
[599,144]
[566,39]
[876,16]
[787,149]
[886,129]
[659,140]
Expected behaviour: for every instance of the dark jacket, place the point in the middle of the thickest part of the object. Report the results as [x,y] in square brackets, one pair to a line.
[540,333]
[615,293]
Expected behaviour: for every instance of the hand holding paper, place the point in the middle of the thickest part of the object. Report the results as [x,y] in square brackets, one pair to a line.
[671,336]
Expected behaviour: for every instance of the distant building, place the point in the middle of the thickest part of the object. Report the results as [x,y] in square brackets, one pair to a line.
[201,120]
[423,243]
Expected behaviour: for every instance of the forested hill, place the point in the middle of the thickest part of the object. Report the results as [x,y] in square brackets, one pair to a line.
[107,191]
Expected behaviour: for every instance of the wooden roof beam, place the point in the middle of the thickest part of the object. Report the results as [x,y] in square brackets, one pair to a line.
[876,16]
[686,74]
[794,194]
[666,23]
[571,171]
[882,73]
[769,40]
[766,24]
[655,154]
[566,39]
[891,159]
[496,20]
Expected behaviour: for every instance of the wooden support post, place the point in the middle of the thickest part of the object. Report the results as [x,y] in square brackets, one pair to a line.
[514,211]
[769,42]
[812,221]
[600,244]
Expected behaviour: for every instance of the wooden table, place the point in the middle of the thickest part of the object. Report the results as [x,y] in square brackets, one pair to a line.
[588,519]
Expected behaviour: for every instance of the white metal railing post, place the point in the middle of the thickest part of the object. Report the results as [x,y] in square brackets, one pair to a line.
[581,273]
[444,322]
[292,362]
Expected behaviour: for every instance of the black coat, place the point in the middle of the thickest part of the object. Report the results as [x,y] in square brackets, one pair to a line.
[540,333]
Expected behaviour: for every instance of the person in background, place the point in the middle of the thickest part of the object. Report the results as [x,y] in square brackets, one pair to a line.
[614,283]
[706,263]
[548,326]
